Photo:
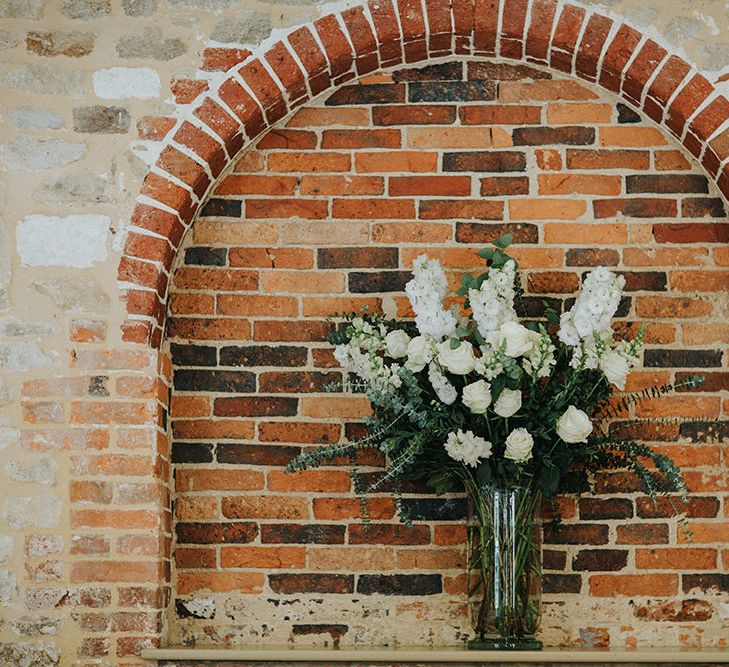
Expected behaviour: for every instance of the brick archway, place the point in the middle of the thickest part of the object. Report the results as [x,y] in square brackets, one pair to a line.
[312,59]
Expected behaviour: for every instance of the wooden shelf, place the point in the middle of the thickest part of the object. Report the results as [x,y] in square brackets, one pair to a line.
[441,655]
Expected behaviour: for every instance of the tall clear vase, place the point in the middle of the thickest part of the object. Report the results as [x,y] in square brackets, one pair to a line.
[505,567]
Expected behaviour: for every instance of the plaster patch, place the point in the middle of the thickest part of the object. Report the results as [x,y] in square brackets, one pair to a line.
[122,82]
[77,240]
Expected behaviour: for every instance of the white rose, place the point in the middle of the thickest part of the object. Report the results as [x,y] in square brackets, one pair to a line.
[508,402]
[419,353]
[519,340]
[459,361]
[397,343]
[477,396]
[519,445]
[615,367]
[574,425]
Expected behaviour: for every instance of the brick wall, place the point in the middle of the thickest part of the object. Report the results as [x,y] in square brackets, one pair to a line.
[327,213]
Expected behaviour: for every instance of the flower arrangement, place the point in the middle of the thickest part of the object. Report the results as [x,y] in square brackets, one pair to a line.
[473,396]
[473,399]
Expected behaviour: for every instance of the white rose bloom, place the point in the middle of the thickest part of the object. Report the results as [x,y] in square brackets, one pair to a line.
[508,402]
[616,367]
[467,448]
[419,352]
[519,340]
[519,445]
[396,343]
[459,361]
[574,425]
[477,396]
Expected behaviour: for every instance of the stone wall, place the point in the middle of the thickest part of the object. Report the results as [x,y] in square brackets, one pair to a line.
[91,87]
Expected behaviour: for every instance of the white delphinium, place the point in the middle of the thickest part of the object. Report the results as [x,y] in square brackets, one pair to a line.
[538,362]
[426,292]
[467,448]
[493,303]
[594,308]
[445,391]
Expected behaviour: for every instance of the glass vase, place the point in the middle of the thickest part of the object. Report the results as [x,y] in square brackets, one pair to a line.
[504,567]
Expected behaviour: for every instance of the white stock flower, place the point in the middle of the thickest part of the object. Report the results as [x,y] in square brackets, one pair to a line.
[477,396]
[594,307]
[616,368]
[419,353]
[467,448]
[493,303]
[368,366]
[519,445]
[396,343]
[518,339]
[459,361]
[508,402]
[540,359]
[574,425]
[445,391]
[426,292]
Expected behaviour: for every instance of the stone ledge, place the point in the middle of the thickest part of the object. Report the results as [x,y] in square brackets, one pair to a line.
[442,656]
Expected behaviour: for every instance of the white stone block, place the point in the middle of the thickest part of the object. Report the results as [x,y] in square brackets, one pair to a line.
[43,511]
[6,548]
[121,82]
[77,240]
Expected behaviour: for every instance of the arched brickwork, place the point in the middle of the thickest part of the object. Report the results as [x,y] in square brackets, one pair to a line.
[309,60]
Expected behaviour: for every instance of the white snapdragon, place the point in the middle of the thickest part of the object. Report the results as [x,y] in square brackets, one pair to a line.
[574,425]
[540,358]
[445,391]
[459,360]
[426,292]
[594,308]
[467,448]
[396,343]
[493,303]
[519,444]
[508,402]
[368,366]
[477,396]
[419,353]
[490,363]
[617,363]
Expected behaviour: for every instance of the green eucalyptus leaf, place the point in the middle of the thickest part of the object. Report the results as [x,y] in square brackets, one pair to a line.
[503,241]
[486,253]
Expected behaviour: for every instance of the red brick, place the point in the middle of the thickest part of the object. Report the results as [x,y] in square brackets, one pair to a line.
[469,210]
[286,208]
[633,585]
[675,559]
[373,209]
[221,123]
[641,69]
[243,106]
[421,114]
[617,55]
[253,184]
[187,90]
[511,36]
[309,162]
[222,59]
[337,49]
[607,159]
[539,32]
[591,46]
[691,95]
[387,29]
[455,186]
[485,22]
[565,184]
[342,185]
[692,232]
[154,127]
[564,39]
[500,114]
[287,70]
